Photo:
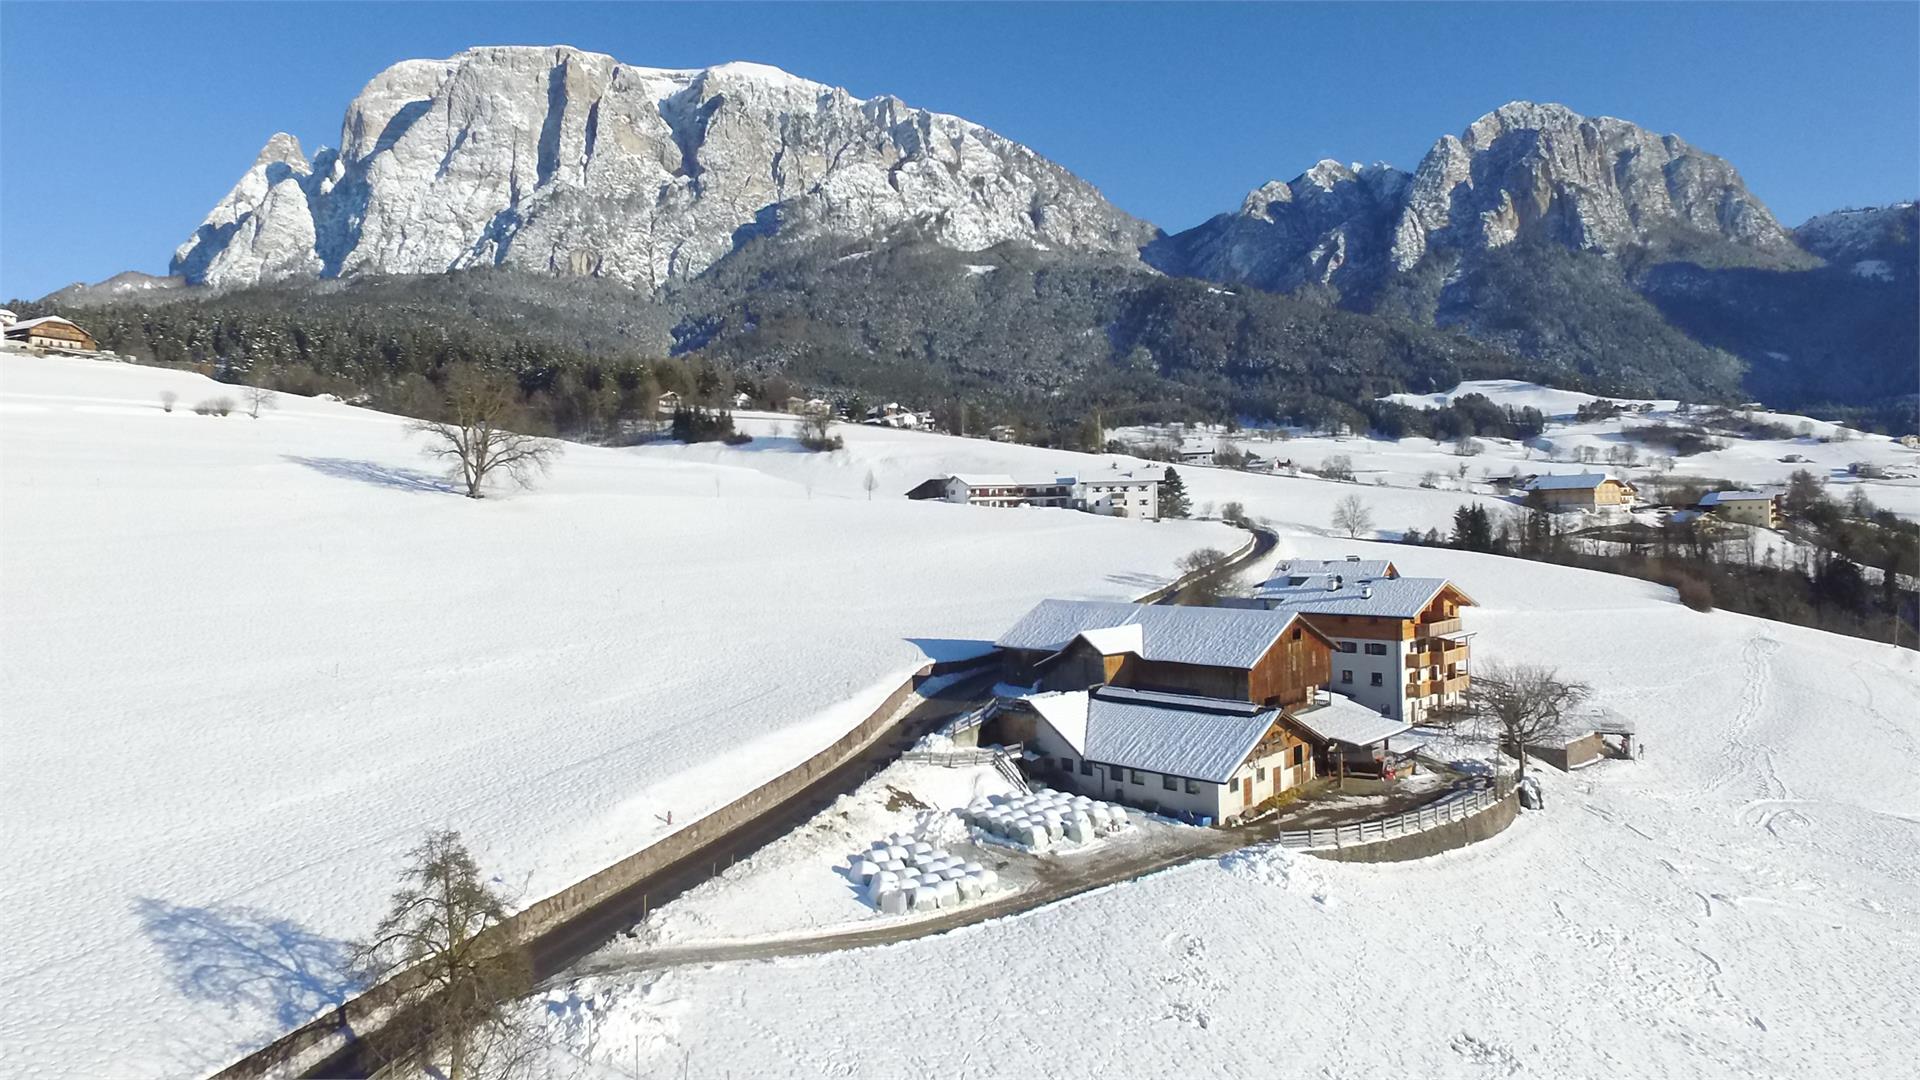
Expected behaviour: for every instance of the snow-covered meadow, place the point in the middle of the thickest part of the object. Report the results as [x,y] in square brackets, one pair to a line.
[247,662]
[1743,901]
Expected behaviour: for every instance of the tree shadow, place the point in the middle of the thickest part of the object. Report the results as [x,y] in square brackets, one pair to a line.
[1139,580]
[368,472]
[249,961]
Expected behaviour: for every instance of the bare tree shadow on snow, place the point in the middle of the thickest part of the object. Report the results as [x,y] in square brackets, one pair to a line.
[368,472]
[1139,580]
[250,961]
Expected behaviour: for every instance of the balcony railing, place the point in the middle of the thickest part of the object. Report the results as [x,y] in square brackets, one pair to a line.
[1439,627]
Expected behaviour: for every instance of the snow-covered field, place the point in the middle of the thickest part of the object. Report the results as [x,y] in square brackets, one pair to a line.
[247,662]
[1407,462]
[1743,901]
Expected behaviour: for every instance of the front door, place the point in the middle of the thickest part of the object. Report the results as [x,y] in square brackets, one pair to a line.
[1246,792]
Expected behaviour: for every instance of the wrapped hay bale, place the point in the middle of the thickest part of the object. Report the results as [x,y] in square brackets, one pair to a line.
[1079,828]
[988,879]
[972,867]
[948,893]
[969,886]
[893,902]
[864,869]
[921,897]
[952,873]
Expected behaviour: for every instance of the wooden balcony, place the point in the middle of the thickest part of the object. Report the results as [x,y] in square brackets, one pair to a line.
[1448,652]
[1419,688]
[1439,627]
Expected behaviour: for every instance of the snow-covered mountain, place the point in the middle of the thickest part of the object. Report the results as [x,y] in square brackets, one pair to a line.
[1524,170]
[554,159]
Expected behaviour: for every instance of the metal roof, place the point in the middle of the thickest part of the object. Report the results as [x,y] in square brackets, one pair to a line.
[1193,737]
[1210,636]
[1715,498]
[1320,568]
[1568,481]
[1342,719]
[1391,598]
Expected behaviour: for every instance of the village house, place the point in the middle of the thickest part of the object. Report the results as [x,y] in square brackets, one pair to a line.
[1200,711]
[741,400]
[51,332]
[1581,491]
[669,403]
[1003,433]
[1399,647]
[895,415]
[1131,494]
[1760,508]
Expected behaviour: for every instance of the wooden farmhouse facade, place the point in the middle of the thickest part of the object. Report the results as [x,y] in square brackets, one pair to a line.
[1398,641]
[1206,712]
[52,332]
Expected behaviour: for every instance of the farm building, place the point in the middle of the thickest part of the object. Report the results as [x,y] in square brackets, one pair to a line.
[1130,493]
[1581,491]
[51,332]
[1263,657]
[1760,508]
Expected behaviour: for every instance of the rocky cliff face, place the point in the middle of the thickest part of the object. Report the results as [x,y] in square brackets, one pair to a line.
[570,162]
[1330,225]
[1522,171]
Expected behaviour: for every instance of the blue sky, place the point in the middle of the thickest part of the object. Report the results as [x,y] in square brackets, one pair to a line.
[123,124]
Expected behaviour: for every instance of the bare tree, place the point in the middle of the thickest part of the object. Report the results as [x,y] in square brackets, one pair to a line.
[1209,573]
[474,439]
[1522,705]
[872,482]
[1352,516]
[167,398]
[439,938]
[257,398]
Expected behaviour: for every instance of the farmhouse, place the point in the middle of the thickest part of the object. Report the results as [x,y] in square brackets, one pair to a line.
[1206,712]
[1581,491]
[1760,508]
[1233,654]
[1399,649]
[51,332]
[669,403]
[1121,494]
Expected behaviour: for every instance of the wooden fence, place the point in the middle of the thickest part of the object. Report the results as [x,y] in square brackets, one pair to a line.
[1456,806]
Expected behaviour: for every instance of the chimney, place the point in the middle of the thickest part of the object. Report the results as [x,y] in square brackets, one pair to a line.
[1366,592]
[1333,582]
[1353,558]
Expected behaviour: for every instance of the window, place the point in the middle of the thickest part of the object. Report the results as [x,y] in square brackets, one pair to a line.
[1233,784]
[1375,648]
[1193,787]
[1086,767]
[1348,646]
[1066,764]
[1260,773]
[1137,778]
[1299,753]
[1296,635]
[1346,676]
[1169,783]
[1377,679]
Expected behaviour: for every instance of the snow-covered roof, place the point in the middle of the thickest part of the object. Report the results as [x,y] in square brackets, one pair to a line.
[1715,498]
[1391,598]
[42,321]
[1176,734]
[1348,567]
[1114,640]
[984,479]
[1342,719]
[1216,637]
[1569,481]
[1066,713]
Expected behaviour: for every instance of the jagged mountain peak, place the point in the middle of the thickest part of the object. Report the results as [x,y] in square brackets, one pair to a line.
[1525,169]
[568,161]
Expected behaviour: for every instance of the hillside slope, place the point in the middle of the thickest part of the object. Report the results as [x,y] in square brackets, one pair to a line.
[244,664]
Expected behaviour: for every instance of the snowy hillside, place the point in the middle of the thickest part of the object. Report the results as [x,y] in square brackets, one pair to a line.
[1743,901]
[1406,462]
[247,662]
